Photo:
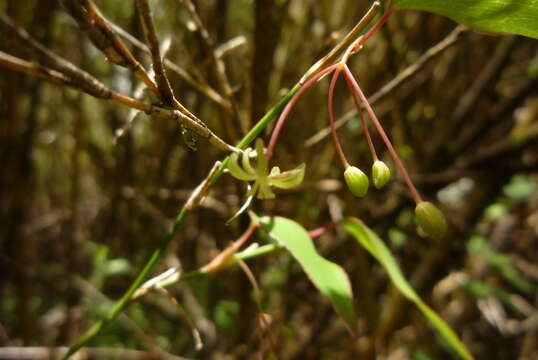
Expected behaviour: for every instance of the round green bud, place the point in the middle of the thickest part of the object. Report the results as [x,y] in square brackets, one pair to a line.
[356,181]
[380,174]
[431,220]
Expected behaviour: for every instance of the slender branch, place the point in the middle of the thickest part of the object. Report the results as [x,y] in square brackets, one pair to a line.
[131,62]
[43,72]
[219,69]
[94,33]
[162,80]
[78,76]
[32,69]
[201,87]
[83,81]
[153,43]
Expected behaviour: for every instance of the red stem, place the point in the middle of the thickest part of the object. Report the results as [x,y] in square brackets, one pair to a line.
[374,29]
[337,144]
[322,230]
[363,122]
[282,118]
[392,151]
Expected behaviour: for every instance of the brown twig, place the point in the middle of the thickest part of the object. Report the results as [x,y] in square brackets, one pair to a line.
[94,33]
[163,84]
[43,72]
[35,70]
[220,72]
[79,77]
[119,45]
[62,71]
[200,86]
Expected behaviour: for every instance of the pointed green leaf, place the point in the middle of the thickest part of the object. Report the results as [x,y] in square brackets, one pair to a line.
[497,16]
[327,276]
[377,248]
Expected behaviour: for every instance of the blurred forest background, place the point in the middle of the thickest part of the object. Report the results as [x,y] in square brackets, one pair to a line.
[87,191]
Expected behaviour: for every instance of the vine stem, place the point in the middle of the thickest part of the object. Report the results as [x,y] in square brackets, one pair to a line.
[357,91]
[284,115]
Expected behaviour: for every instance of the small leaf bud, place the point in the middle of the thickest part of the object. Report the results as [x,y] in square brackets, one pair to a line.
[356,181]
[431,220]
[380,174]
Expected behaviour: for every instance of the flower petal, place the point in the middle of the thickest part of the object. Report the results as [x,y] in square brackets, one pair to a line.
[288,179]
[236,171]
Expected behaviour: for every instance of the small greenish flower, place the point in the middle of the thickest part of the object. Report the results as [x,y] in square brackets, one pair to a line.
[263,179]
[356,181]
[431,220]
[380,174]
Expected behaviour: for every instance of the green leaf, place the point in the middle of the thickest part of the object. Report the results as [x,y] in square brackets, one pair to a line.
[497,16]
[327,276]
[377,248]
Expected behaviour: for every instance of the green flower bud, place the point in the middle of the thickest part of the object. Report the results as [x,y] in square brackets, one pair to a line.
[356,181]
[380,174]
[431,220]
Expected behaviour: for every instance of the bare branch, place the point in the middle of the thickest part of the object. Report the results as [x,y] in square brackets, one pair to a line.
[78,76]
[219,69]
[119,45]
[36,70]
[202,87]
[96,35]
[17,64]
[153,43]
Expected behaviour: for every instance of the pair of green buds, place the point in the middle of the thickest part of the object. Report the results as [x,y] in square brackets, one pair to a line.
[429,218]
[263,179]
[357,181]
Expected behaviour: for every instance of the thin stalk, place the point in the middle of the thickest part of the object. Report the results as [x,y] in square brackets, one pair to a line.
[330,97]
[363,123]
[407,179]
[348,40]
[376,27]
[283,116]
[357,44]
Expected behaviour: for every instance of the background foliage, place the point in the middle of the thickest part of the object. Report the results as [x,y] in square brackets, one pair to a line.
[82,209]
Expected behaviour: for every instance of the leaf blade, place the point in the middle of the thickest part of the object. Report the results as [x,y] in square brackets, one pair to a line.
[330,279]
[498,16]
[377,248]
